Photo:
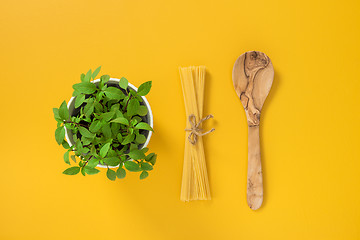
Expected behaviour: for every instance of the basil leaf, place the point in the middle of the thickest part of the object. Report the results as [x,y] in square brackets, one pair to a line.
[144,88]
[118,113]
[79,100]
[143,125]
[65,145]
[142,110]
[120,173]
[86,140]
[146,166]
[66,158]
[104,149]
[115,127]
[111,174]
[133,107]
[144,150]
[107,116]
[128,139]
[91,171]
[56,115]
[114,93]
[85,87]
[121,120]
[112,161]
[79,146]
[151,158]
[72,171]
[83,171]
[89,109]
[93,162]
[106,130]
[60,134]
[133,122]
[84,132]
[63,111]
[105,78]
[133,146]
[136,154]
[87,77]
[144,175]
[95,126]
[140,139]
[98,105]
[82,76]
[115,107]
[132,166]
[96,72]
[123,83]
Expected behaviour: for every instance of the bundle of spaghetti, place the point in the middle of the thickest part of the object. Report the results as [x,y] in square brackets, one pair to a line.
[195,183]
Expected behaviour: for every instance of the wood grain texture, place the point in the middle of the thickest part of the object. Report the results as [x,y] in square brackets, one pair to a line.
[253,75]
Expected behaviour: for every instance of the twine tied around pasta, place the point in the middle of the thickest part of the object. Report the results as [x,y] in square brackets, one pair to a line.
[195,130]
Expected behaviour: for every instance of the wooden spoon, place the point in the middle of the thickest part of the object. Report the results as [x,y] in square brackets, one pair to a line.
[253,75]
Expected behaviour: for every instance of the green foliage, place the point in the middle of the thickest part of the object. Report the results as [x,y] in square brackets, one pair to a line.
[143,125]
[93,162]
[142,110]
[107,116]
[114,93]
[151,158]
[84,132]
[146,166]
[56,115]
[128,139]
[79,100]
[132,166]
[85,87]
[95,126]
[144,88]
[72,171]
[104,150]
[140,139]
[137,154]
[63,111]
[123,83]
[143,175]
[133,107]
[112,161]
[87,77]
[82,77]
[60,134]
[65,145]
[96,72]
[108,129]
[105,78]
[111,174]
[121,173]
[121,120]
[66,158]
[91,171]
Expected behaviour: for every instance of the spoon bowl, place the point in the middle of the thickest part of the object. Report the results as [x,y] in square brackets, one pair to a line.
[253,74]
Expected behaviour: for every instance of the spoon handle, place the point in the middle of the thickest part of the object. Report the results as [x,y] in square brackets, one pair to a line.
[254,178]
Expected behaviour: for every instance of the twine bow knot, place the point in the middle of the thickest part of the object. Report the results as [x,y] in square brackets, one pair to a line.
[195,129]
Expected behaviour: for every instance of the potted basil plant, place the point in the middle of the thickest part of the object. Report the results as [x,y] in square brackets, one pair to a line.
[106,124]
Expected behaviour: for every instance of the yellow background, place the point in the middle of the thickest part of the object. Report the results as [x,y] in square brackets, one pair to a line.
[309,128]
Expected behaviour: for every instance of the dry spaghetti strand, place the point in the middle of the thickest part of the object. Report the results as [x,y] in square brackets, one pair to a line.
[195,183]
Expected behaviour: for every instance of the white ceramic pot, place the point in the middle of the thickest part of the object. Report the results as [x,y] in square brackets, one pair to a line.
[71,107]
